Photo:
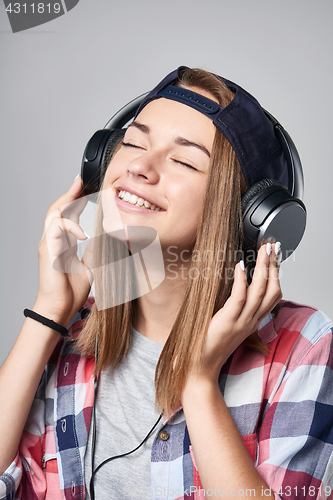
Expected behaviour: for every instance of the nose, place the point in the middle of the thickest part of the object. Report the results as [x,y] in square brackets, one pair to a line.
[144,169]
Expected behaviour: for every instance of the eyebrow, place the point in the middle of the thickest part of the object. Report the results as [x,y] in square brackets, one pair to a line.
[140,126]
[185,142]
[181,141]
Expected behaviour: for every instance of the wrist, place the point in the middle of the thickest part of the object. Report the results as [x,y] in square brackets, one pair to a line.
[46,310]
[29,313]
[199,388]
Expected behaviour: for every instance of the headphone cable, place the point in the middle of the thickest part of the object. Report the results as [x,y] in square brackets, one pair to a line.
[93,447]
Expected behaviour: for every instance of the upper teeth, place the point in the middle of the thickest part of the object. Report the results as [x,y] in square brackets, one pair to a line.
[135,200]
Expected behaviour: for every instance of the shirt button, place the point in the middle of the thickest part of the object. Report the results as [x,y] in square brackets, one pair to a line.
[164,435]
[85,313]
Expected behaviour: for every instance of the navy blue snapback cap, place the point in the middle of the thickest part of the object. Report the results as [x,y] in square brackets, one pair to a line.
[243,122]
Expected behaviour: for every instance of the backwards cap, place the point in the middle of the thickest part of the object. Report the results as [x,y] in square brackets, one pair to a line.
[243,122]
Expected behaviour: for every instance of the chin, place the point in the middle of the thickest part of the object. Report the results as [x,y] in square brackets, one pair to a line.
[136,237]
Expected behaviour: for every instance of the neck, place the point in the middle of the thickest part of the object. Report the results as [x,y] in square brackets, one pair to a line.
[157,310]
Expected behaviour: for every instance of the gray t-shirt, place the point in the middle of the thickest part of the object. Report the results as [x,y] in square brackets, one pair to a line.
[125,413]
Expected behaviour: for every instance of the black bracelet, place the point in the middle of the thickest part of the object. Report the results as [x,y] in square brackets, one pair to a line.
[47,322]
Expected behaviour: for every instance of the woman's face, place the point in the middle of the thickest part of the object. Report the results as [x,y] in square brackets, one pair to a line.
[159,174]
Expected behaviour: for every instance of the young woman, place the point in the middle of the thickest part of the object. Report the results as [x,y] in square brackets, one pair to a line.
[231,385]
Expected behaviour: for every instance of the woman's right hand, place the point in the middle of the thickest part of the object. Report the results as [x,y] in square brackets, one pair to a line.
[64,280]
[64,284]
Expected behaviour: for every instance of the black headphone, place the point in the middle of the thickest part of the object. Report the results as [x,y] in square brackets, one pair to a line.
[271,211]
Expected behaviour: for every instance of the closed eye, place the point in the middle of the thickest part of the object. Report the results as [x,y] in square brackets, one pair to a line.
[185,164]
[129,145]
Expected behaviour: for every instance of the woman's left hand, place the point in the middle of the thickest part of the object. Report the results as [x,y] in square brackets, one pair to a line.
[243,311]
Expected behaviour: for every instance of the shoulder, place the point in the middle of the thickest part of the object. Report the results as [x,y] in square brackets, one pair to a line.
[311,323]
[295,319]
[299,334]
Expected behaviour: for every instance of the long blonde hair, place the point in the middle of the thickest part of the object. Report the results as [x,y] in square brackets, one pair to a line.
[219,233]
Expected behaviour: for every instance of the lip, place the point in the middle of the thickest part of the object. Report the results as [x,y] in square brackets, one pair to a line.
[140,194]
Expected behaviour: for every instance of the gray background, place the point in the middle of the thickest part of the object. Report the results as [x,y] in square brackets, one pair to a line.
[63,80]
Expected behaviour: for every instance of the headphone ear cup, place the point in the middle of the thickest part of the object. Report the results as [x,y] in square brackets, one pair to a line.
[271,213]
[250,195]
[96,158]
[110,146]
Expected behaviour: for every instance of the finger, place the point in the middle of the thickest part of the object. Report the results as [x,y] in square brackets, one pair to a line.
[73,209]
[88,260]
[69,211]
[273,291]
[237,299]
[59,225]
[262,315]
[277,256]
[74,192]
[56,242]
[257,290]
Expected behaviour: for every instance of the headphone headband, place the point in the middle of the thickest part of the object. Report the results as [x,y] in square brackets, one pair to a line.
[125,114]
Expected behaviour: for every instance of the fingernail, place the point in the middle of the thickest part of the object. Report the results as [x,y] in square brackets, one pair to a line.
[78,175]
[277,248]
[268,248]
[87,235]
[242,265]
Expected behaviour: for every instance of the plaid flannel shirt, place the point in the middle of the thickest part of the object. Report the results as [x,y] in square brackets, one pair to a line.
[282,405]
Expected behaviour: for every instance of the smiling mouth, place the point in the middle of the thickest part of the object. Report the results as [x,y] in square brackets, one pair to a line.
[135,200]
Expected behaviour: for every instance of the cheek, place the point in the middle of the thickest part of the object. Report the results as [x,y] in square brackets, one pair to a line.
[195,205]
[111,217]
[116,168]
[111,173]
[194,201]
[188,213]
